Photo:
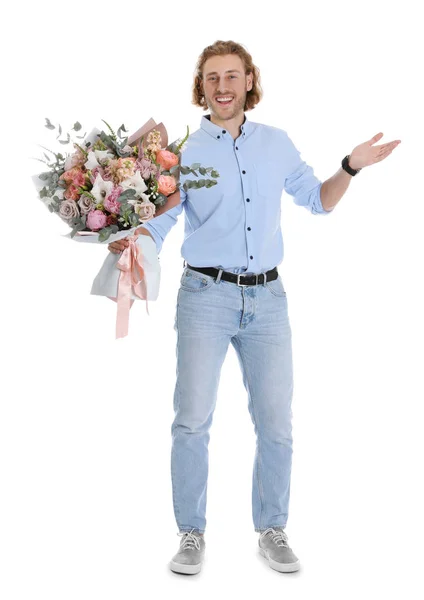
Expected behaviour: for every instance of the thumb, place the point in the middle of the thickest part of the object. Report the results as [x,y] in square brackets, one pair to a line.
[376,138]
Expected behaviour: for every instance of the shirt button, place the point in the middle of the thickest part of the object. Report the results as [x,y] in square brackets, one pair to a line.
[243,172]
[223,131]
[247,199]
[248,229]
[218,136]
[251,257]
[236,147]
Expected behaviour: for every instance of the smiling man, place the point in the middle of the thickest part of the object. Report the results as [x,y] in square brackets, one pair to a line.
[231,292]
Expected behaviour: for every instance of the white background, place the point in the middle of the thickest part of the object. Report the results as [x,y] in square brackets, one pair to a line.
[86,504]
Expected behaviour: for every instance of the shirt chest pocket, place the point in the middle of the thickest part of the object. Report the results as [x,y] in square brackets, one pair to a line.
[268,179]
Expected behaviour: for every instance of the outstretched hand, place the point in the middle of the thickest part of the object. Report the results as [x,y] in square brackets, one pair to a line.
[366,154]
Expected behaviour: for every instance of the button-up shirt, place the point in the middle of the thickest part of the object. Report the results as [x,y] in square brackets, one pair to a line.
[235,224]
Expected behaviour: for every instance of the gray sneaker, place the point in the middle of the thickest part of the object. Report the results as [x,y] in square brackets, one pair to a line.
[190,556]
[274,546]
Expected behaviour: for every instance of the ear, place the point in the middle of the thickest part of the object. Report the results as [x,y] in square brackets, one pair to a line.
[249,82]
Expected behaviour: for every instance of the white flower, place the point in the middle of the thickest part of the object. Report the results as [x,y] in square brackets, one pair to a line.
[91,162]
[101,189]
[97,157]
[137,183]
[103,155]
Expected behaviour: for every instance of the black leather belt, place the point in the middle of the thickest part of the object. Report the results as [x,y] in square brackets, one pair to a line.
[238,278]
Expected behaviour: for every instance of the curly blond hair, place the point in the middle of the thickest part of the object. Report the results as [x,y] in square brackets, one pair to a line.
[220,48]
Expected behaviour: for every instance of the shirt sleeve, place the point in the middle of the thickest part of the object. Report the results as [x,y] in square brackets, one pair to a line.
[301,183]
[160,226]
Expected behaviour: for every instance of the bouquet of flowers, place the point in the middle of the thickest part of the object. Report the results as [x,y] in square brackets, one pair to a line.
[107,188]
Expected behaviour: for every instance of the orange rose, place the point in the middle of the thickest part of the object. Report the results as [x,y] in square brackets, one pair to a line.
[167,184]
[166,159]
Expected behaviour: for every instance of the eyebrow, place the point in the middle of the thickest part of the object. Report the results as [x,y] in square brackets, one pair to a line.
[229,71]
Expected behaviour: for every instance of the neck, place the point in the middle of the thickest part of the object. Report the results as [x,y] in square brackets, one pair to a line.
[231,125]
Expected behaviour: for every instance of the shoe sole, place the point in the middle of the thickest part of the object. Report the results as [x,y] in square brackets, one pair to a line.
[186,569]
[281,567]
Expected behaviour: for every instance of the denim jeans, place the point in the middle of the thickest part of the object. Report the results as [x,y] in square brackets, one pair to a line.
[210,315]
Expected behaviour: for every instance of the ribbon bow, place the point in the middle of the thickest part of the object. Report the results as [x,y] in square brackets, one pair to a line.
[131,277]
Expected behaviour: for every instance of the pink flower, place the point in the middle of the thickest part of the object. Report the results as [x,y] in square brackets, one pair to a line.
[112,206]
[166,159]
[111,201]
[77,159]
[74,176]
[71,192]
[94,172]
[115,193]
[96,219]
[167,184]
[146,168]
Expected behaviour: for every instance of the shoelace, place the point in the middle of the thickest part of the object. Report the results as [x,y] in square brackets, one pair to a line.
[277,536]
[189,540]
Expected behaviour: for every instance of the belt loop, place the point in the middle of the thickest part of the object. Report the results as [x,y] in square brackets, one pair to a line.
[264,277]
[218,279]
[184,264]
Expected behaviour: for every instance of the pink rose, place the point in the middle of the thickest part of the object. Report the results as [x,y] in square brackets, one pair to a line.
[167,184]
[96,219]
[145,210]
[68,210]
[166,159]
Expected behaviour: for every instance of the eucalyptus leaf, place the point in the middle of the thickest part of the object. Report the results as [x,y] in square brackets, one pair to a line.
[48,124]
[77,126]
[65,141]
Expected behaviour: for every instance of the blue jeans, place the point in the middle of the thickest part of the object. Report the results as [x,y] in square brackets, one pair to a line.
[254,319]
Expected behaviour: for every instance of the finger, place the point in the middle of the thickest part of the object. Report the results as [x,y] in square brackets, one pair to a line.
[375,139]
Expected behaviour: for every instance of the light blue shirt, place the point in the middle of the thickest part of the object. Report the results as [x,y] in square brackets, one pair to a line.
[235,225]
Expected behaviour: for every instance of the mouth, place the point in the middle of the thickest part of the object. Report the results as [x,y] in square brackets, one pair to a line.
[224,100]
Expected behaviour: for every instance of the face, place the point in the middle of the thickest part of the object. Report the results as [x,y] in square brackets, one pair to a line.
[224,76]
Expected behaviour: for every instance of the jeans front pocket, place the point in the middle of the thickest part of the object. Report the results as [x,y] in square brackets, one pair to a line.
[276,287]
[194,281]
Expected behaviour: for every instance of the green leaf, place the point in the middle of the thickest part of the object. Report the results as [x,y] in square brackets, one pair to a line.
[214,174]
[122,128]
[202,171]
[185,170]
[77,126]
[44,176]
[60,131]
[65,141]
[195,166]
[48,124]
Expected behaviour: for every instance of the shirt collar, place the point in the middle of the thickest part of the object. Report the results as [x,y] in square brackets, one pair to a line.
[217,131]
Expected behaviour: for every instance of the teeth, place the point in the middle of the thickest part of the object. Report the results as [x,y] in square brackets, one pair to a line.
[225,99]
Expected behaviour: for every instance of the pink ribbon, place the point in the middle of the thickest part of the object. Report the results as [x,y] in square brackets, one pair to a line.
[130,278]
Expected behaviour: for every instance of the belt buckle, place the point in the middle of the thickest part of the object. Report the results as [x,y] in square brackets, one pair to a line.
[238,281]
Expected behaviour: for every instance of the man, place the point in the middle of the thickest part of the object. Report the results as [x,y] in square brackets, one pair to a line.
[230,291]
